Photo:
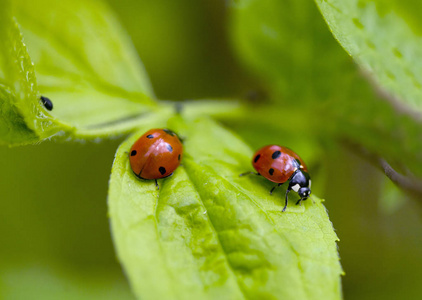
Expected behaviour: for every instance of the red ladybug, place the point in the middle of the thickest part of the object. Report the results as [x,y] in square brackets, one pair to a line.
[280,164]
[156,154]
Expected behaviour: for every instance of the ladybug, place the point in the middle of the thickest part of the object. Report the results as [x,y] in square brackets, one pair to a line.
[156,154]
[280,164]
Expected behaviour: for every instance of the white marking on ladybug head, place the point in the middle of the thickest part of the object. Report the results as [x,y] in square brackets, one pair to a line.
[296,187]
[309,183]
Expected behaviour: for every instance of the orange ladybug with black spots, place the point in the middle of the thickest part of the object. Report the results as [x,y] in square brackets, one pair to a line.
[156,154]
[280,164]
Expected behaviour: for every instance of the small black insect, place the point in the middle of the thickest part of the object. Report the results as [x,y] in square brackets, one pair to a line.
[47,103]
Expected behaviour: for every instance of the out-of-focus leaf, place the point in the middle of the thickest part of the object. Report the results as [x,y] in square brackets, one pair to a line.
[208,233]
[395,237]
[35,282]
[383,39]
[23,119]
[290,47]
[186,51]
[85,63]
[392,198]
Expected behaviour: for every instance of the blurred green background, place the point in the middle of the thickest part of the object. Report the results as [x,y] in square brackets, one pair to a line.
[55,239]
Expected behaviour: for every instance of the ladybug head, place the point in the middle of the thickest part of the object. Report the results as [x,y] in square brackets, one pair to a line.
[304,192]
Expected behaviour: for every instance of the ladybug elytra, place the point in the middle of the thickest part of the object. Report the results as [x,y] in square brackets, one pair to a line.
[156,154]
[280,164]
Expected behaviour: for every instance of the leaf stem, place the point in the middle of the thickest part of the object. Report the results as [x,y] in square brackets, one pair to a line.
[409,184]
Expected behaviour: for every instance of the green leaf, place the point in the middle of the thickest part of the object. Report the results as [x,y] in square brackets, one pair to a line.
[208,233]
[23,119]
[384,39]
[287,44]
[313,79]
[85,63]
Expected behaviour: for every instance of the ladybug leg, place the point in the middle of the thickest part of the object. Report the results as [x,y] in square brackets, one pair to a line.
[156,184]
[274,187]
[300,201]
[287,194]
[248,173]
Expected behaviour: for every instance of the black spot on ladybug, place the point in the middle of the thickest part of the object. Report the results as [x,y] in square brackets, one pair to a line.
[271,171]
[257,157]
[162,170]
[169,148]
[168,131]
[133,153]
[276,154]
[150,136]
[178,158]
[47,103]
